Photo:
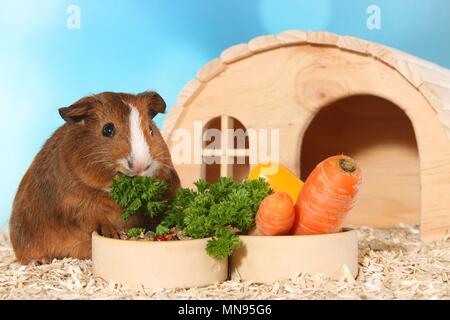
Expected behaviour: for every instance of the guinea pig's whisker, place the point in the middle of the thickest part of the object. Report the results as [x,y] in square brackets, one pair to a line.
[166,166]
[100,153]
[96,161]
[97,152]
[159,154]
[163,158]
[99,162]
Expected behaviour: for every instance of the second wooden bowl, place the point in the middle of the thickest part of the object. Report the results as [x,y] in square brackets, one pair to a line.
[268,259]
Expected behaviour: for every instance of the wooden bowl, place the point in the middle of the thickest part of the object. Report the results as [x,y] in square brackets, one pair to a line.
[268,259]
[165,264]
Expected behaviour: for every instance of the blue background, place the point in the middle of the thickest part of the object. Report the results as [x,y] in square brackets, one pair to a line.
[132,46]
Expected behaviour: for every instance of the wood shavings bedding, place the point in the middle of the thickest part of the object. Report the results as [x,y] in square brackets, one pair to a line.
[394,264]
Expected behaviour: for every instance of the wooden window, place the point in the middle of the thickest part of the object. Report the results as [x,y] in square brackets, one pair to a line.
[228,157]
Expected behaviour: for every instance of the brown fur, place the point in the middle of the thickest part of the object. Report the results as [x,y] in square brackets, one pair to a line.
[62,199]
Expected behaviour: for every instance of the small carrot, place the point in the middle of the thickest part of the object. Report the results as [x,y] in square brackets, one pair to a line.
[328,195]
[275,215]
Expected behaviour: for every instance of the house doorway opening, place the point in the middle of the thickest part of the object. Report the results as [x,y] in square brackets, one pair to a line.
[380,136]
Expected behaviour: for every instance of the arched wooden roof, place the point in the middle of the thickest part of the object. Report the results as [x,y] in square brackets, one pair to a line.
[431,80]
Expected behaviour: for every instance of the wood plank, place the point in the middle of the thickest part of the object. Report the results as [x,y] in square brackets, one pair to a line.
[396,59]
[353,44]
[430,71]
[432,97]
[439,99]
[211,70]
[409,71]
[189,92]
[432,74]
[322,38]
[264,43]
[292,37]
[212,152]
[226,168]
[238,152]
[438,96]
[235,53]
[229,153]
[444,117]
[382,53]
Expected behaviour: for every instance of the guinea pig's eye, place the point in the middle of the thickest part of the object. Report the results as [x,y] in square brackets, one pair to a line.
[151,131]
[109,130]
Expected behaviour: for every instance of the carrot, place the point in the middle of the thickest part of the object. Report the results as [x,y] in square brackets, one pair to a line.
[275,215]
[328,195]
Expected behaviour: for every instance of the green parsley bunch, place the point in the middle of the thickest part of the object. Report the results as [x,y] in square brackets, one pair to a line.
[220,210]
[140,194]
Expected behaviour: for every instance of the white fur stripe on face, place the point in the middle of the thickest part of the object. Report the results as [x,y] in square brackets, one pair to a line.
[140,151]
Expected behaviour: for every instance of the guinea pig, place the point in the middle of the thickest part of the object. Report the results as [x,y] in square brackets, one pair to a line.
[64,195]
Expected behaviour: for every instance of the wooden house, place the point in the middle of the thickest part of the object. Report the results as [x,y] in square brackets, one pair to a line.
[328,94]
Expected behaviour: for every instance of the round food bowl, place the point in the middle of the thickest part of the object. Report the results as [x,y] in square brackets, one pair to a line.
[268,259]
[156,264]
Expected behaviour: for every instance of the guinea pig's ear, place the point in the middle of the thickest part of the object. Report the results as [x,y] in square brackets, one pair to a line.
[153,101]
[76,112]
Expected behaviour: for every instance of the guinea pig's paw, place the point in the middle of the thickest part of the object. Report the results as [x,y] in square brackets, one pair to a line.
[109,231]
[40,261]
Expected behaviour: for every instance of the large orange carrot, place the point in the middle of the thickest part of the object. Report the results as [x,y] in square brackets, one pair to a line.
[328,195]
[275,215]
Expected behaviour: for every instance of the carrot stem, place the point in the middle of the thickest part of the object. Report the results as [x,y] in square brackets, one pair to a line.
[347,165]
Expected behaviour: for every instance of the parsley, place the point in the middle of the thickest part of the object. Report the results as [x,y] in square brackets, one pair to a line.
[140,194]
[220,210]
[135,232]
[223,244]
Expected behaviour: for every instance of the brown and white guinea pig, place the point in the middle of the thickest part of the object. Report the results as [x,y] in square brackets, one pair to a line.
[64,196]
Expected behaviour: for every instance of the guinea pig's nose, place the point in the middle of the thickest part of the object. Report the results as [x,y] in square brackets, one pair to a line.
[138,167]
